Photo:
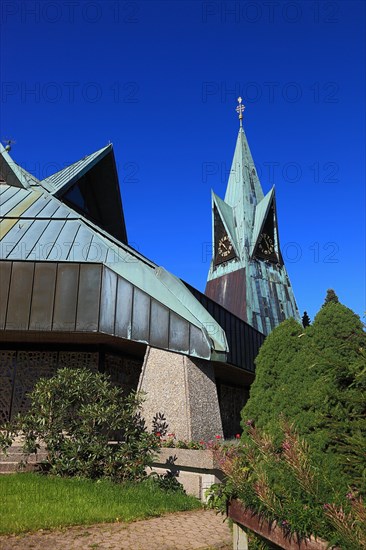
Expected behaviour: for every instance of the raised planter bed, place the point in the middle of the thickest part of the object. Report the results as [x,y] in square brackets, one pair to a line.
[197,469]
[271,532]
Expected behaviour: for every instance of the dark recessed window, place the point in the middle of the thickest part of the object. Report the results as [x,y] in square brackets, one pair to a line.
[75,196]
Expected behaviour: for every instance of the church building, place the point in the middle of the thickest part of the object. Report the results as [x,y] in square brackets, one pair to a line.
[73,293]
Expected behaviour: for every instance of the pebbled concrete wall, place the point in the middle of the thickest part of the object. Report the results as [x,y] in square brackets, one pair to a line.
[184,390]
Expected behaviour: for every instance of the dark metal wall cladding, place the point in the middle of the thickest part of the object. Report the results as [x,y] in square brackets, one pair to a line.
[5,272]
[43,296]
[63,297]
[230,291]
[244,341]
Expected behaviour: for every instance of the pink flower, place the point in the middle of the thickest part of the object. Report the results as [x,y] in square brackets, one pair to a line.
[158,434]
[218,436]
[237,436]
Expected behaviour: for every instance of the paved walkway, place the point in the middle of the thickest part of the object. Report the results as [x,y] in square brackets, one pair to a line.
[200,530]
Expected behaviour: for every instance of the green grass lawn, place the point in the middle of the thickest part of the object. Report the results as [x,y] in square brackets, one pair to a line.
[31,501]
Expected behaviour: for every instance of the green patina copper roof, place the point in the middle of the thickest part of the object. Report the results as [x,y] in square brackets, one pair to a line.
[243,186]
[13,173]
[244,212]
[62,180]
[36,225]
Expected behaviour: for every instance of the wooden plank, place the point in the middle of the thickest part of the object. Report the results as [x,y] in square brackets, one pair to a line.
[272,532]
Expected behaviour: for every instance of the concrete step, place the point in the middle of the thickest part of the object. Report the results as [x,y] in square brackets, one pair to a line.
[18,457]
[13,467]
[11,462]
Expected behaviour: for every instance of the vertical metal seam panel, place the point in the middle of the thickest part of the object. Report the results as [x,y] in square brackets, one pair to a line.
[169,314]
[235,340]
[77,297]
[238,339]
[149,330]
[101,270]
[52,291]
[115,304]
[54,297]
[7,301]
[132,308]
[31,297]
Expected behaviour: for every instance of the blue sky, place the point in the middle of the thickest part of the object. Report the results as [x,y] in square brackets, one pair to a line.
[160,79]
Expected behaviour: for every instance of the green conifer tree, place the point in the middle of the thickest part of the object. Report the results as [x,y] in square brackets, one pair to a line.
[305,320]
[331,297]
[316,380]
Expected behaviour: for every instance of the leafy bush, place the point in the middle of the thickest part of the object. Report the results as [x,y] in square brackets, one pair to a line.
[76,413]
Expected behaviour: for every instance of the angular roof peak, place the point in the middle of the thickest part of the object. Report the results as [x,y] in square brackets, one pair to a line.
[62,180]
[12,173]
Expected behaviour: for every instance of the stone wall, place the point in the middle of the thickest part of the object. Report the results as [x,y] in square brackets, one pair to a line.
[197,469]
[20,370]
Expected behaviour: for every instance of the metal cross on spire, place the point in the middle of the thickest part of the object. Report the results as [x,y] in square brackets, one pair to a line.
[240,109]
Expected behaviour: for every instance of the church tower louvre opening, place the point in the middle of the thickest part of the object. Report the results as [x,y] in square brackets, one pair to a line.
[247,274]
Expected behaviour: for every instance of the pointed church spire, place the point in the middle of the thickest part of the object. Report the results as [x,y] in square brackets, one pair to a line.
[247,273]
[244,190]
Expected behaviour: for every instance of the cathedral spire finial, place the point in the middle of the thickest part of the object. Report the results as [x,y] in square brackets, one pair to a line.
[240,108]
